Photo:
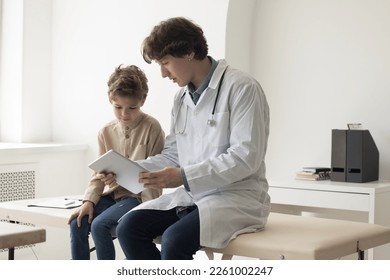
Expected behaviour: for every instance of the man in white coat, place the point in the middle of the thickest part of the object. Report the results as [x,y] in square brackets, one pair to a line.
[214,154]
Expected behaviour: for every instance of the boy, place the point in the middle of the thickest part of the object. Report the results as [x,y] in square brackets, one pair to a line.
[133,134]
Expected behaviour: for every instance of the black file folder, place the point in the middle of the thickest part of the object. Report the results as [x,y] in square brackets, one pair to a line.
[362,157]
[355,156]
[339,156]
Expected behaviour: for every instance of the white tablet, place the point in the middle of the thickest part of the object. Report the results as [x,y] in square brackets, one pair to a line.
[126,170]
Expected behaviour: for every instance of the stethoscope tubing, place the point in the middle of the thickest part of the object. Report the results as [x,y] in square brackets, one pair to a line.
[211,121]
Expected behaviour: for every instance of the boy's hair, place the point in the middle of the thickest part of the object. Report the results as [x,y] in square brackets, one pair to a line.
[129,81]
[176,37]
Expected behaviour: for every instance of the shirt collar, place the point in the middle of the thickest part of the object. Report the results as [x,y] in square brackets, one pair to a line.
[206,82]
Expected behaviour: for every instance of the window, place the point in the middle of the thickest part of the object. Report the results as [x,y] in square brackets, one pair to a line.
[24,71]
[1,40]
[11,26]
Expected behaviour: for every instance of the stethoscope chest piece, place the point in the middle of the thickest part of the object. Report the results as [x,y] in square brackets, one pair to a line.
[182,114]
[211,122]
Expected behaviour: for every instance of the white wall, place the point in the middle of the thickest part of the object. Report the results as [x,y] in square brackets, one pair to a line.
[91,38]
[322,64]
[72,46]
[25,71]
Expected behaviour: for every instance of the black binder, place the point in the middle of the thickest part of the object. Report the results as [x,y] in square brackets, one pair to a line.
[339,156]
[362,157]
[355,156]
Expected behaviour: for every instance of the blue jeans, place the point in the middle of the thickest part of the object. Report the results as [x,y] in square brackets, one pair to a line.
[180,234]
[106,214]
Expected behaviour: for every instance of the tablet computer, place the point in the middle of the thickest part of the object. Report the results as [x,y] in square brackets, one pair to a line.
[126,170]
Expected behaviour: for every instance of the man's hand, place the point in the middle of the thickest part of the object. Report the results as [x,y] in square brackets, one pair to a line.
[168,177]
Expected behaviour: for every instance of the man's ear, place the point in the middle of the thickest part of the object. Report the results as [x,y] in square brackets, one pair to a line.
[190,56]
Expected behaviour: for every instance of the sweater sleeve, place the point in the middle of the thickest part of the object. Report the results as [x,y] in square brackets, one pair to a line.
[95,187]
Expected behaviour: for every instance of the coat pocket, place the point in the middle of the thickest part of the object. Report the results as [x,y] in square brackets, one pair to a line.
[218,133]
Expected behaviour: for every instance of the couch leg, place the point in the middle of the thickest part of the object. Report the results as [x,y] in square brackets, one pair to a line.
[209,254]
[360,252]
[226,257]
[11,253]
[360,255]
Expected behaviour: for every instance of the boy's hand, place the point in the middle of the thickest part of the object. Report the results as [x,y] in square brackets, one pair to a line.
[85,209]
[107,178]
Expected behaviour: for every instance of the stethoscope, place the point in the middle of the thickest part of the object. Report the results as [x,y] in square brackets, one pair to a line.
[210,122]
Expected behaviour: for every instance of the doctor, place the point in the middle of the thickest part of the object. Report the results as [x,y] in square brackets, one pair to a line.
[214,154]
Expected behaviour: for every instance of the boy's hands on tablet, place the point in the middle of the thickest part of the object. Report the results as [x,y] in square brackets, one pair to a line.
[108,179]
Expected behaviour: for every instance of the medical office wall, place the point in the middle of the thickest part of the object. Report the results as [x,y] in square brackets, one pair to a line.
[322,64]
[57,56]
[91,38]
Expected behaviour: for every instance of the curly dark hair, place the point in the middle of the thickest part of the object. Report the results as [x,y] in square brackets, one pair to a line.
[176,37]
[129,81]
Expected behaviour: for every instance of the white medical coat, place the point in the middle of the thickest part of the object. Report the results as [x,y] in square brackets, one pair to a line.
[224,163]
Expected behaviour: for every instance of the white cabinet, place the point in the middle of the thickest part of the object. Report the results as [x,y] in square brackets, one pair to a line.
[369,200]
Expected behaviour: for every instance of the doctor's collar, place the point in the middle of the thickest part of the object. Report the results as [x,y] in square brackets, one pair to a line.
[191,88]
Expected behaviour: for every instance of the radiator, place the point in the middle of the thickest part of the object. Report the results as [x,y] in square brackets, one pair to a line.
[17,182]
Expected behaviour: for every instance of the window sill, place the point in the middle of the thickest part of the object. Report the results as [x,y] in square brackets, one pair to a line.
[12,148]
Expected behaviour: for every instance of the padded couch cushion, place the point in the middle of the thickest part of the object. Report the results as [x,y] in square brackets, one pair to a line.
[297,237]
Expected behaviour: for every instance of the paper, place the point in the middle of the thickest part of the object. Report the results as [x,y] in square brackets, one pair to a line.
[62,203]
[126,171]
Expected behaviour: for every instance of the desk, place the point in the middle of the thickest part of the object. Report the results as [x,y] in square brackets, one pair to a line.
[13,235]
[19,211]
[54,220]
[371,198]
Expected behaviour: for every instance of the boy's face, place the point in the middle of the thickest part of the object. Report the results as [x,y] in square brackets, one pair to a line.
[126,109]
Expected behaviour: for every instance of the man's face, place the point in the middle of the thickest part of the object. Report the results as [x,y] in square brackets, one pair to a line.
[177,69]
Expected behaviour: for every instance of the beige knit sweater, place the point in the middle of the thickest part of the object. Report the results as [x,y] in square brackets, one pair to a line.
[138,140]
